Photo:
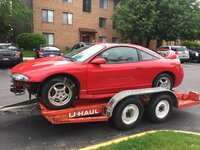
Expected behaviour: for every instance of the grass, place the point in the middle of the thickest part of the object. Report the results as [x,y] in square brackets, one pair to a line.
[28,53]
[162,140]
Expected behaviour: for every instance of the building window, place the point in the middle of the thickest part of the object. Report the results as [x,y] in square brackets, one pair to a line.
[116,3]
[115,40]
[102,22]
[67,18]
[67,1]
[87,5]
[49,38]
[114,25]
[47,16]
[104,4]
[102,39]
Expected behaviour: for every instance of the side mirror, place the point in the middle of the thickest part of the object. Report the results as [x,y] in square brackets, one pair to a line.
[98,61]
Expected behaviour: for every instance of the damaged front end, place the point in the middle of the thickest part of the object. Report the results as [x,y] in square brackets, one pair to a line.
[21,85]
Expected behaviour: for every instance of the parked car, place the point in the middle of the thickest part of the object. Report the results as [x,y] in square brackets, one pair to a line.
[80,45]
[181,51]
[97,72]
[194,55]
[168,54]
[48,51]
[10,54]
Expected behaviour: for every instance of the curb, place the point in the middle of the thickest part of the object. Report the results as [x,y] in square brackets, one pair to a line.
[94,147]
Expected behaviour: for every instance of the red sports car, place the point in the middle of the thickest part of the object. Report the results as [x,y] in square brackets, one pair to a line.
[94,72]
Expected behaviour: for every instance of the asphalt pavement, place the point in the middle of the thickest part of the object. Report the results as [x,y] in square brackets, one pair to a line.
[36,133]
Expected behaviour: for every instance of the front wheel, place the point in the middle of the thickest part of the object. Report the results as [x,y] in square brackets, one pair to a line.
[128,113]
[58,93]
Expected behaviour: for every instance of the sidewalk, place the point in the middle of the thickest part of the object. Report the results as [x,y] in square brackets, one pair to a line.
[28,58]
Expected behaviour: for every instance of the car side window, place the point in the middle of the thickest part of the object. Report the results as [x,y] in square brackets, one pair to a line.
[118,55]
[146,56]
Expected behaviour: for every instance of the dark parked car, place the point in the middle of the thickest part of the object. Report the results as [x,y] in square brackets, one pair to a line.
[48,51]
[80,45]
[194,55]
[10,54]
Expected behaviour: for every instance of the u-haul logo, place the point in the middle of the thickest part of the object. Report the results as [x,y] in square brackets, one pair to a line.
[83,113]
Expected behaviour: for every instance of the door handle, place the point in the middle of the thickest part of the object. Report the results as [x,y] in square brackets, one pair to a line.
[138,68]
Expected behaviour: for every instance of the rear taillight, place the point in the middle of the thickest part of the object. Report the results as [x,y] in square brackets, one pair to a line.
[176,53]
[18,54]
[40,53]
[61,54]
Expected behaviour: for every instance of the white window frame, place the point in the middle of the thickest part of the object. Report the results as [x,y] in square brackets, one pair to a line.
[68,19]
[67,1]
[102,39]
[104,25]
[104,4]
[49,17]
[49,38]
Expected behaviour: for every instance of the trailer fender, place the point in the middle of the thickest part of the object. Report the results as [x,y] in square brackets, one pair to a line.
[135,93]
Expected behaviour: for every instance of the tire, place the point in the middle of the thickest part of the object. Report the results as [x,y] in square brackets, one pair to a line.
[159,108]
[58,93]
[163,80]
[129,106]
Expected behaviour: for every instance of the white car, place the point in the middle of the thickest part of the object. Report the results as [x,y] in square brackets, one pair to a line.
[181,51]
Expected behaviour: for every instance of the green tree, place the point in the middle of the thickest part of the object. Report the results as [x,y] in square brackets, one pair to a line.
[13,13]
[134,19]
[158,19]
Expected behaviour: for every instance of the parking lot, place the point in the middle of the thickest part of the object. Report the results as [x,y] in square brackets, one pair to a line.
[27,132]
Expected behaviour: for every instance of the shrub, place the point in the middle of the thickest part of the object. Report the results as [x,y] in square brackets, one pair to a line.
[191,44]
[30,41]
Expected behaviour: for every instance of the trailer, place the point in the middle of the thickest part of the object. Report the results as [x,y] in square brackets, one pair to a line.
[125,109]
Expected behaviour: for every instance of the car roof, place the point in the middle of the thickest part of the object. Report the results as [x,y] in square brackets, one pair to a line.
[120,44]
[5,43]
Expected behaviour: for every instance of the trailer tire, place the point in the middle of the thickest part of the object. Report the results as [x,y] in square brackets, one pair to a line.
[128,113]
[58,93]
[159,108]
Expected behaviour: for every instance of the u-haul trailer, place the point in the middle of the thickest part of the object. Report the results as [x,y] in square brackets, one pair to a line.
[125,109]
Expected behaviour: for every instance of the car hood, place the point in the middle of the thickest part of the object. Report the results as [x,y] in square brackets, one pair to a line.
[44,65]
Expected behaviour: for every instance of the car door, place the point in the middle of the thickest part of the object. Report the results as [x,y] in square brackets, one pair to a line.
[122,71]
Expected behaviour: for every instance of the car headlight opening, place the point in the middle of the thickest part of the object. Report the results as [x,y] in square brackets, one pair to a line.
[196,54]
[20,77]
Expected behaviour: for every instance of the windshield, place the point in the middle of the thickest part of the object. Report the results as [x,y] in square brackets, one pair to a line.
[8,47]
[82,54]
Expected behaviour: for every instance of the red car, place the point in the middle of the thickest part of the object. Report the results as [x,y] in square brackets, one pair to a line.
[96,72]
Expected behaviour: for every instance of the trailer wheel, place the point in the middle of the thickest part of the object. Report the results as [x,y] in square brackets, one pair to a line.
[159,108]
[58,93]
[128,113]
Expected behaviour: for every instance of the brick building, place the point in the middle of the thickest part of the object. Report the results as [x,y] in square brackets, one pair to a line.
[66,22]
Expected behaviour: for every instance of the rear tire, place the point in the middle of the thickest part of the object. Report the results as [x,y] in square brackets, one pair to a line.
[159,108]
[128,113]
[163,80]
[58,93]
